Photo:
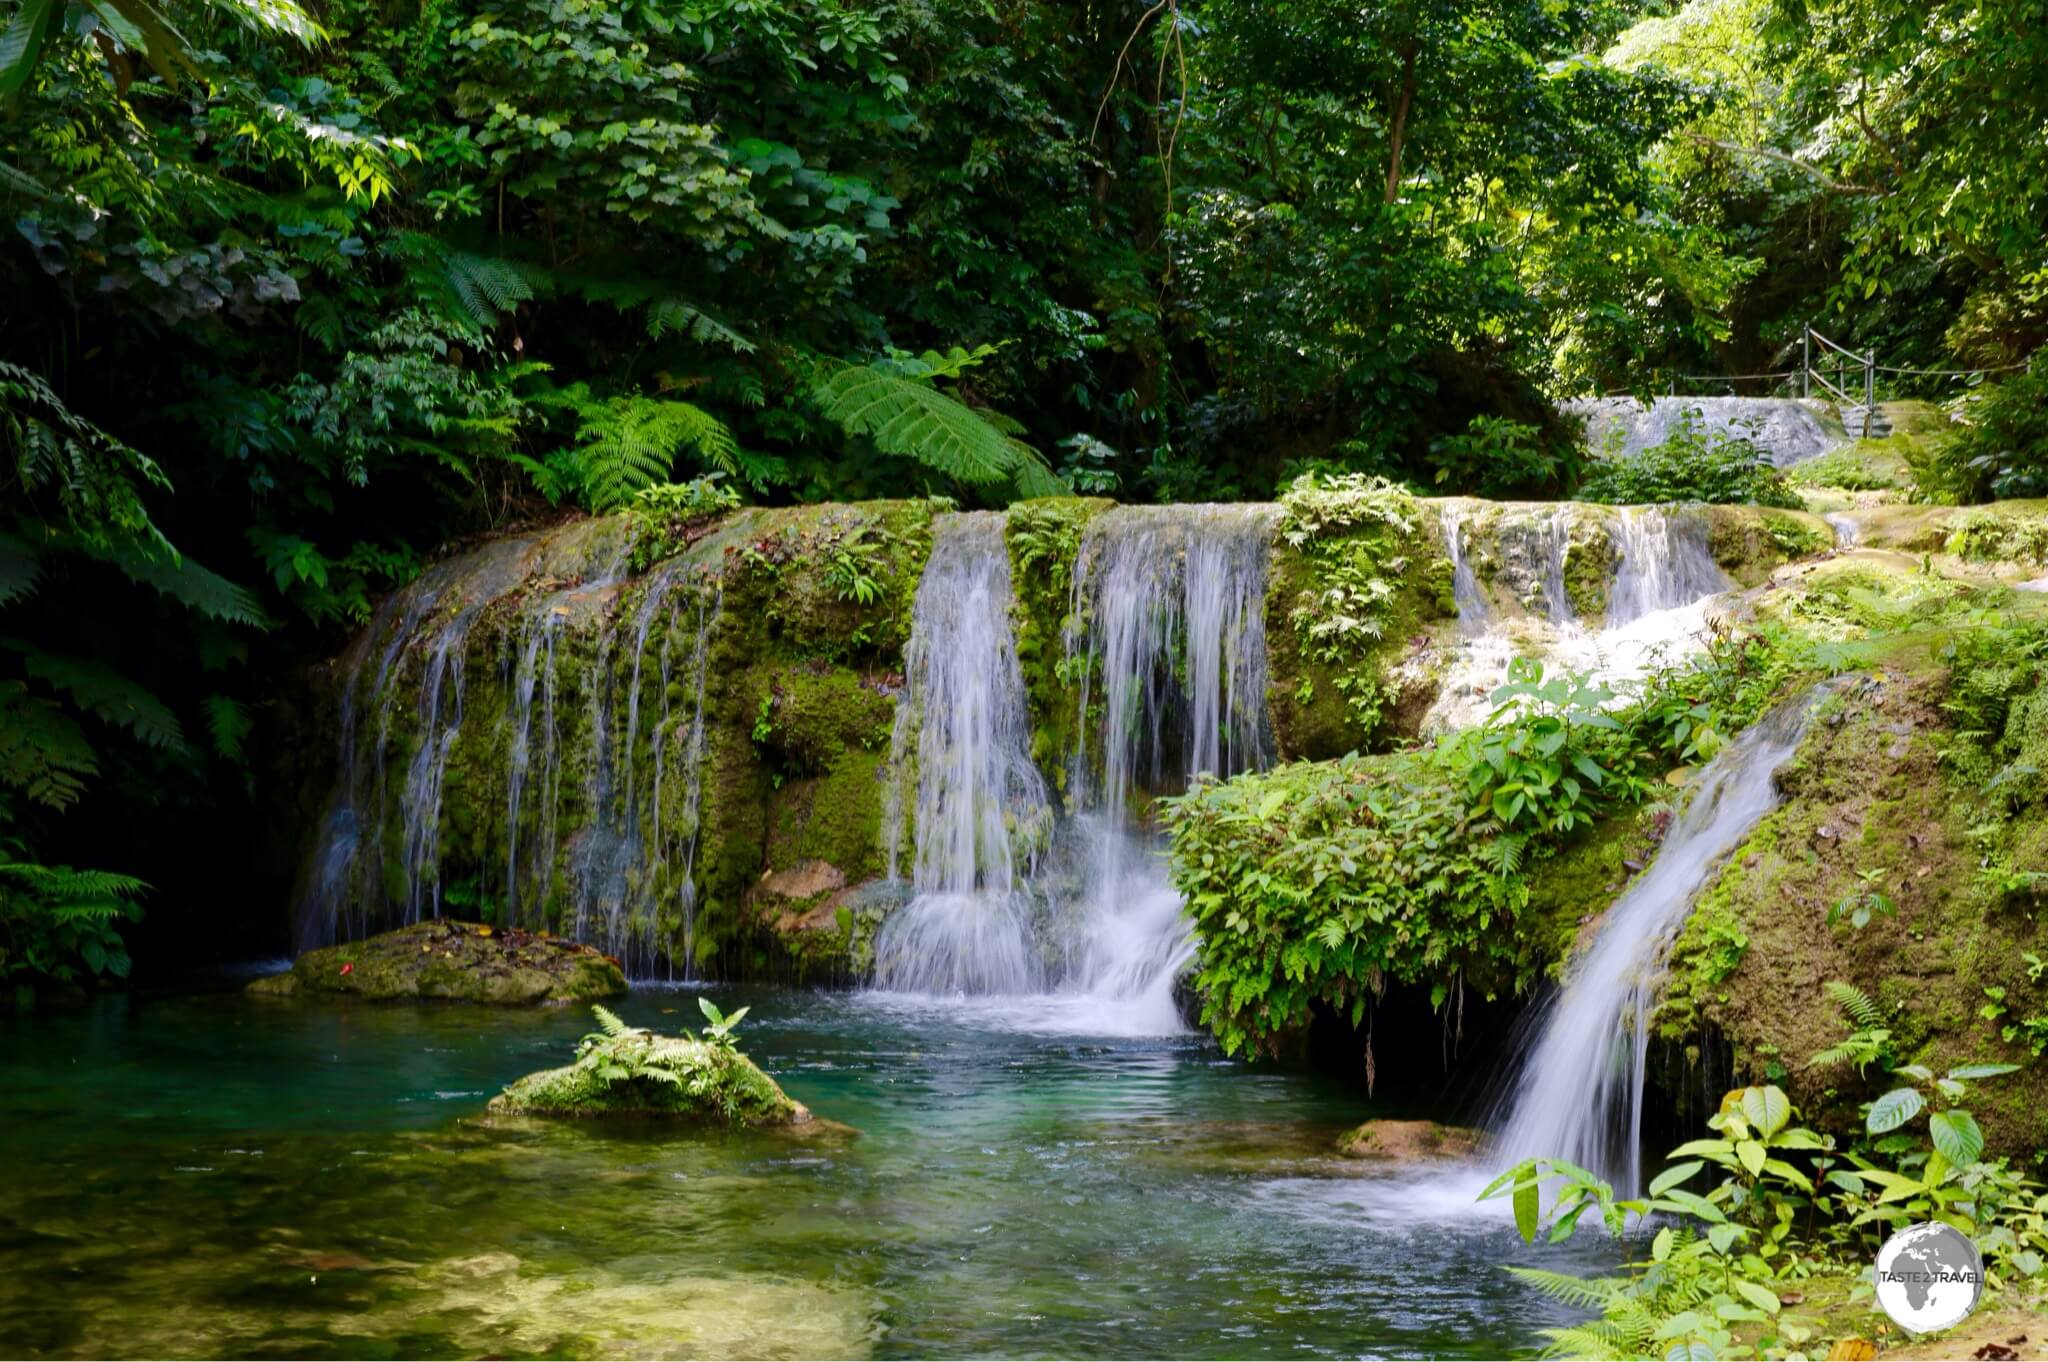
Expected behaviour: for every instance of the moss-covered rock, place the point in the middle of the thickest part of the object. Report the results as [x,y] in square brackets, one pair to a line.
[461,961]
[1749,542]
[627,1071]
[1359,586]
[1407,1141]
[1044,541]
[1874,815]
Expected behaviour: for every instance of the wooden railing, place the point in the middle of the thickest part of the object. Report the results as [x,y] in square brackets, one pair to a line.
[1851,371]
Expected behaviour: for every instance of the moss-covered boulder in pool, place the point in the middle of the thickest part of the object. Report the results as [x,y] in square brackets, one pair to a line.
[1407,1141]
[461,961]
[624,1070]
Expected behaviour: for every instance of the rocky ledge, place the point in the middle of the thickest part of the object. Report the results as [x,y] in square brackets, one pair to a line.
[460,961]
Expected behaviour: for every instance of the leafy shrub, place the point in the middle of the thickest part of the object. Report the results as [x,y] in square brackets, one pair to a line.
[1866,466]
[1496,457]
[1782,1203]
[2001,448]
[1320,883]
[54,919]
[1693,464]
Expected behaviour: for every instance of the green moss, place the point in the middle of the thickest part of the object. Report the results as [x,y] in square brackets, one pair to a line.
[1359,575]
[459,961]
[630,1072]
[1751,542]
[1043,538]
[1571,887]
[1865,466]
[835,817]
[1876,787]
[1589,563]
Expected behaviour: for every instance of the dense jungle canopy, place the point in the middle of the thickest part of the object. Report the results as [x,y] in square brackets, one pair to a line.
[294,295]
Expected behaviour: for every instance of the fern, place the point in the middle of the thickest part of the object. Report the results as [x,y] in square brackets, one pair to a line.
[916,421]
[472,290]
[1585,1293]
[171,574]
[20,568]
[1855,1003]
[611,1022]
[229,723]
[629,443]
[105,693]
[678,317]
[43,753]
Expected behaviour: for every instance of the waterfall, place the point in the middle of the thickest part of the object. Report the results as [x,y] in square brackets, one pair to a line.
[1665,564]
[1578,1088]
[1169,644]
[1472,608]
[963,735]
[1663,587]
[1169,604]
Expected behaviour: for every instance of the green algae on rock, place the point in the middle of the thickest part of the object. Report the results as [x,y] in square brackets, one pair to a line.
[458,961]
[625,1070]
[1407,1141]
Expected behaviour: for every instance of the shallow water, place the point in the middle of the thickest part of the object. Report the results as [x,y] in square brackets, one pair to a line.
[213,1176]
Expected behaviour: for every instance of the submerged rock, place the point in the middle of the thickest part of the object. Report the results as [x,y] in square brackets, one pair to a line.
[1407,1141]
[630,1071]
[461,961]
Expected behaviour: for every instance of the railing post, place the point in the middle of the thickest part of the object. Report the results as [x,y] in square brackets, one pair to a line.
[1869,389]
[1806,362]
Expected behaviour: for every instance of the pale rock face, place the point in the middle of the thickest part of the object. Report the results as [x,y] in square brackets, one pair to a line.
[1788,430]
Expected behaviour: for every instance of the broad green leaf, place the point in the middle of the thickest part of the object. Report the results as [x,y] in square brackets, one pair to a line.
[1767,1108]
[1672,1176]
[1956,1135]
[1752,1155]
[1757,1296]
[1894,1109]
[1528,1206]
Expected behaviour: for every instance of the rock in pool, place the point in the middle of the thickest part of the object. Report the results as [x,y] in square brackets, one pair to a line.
[627,1071]
[462,961]
[1407,1141]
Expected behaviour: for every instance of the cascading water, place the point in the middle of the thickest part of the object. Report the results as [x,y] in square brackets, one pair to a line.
[1665,564]
[1170,646]
[1662,590]
[1577,1093]
[1170,606]
[625,875]
[962,741]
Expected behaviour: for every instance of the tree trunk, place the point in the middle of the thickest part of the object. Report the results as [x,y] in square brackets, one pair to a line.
[1401,107]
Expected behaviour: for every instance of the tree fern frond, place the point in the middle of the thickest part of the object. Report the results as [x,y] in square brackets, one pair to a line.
[171,574]
[65,882]
[1588,1341]
[43,753]
[914,421]
[679,317]
[229,723]
[1587,1293]
[629,443]
[1033,478]
[472,290]
[104,692]
[20,568]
